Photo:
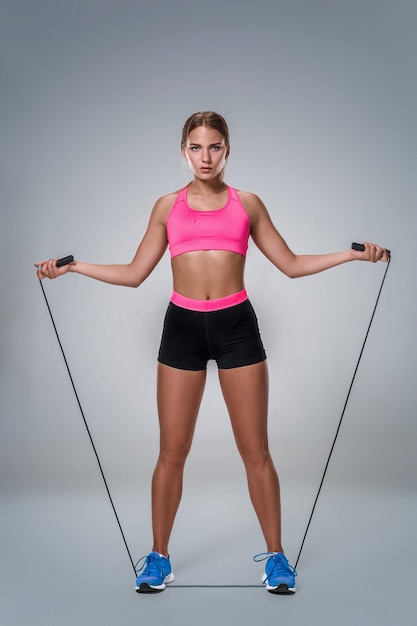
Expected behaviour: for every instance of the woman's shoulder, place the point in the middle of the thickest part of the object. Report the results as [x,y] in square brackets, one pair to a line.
[251,202]
[164,204]
[169,198]
[247,196]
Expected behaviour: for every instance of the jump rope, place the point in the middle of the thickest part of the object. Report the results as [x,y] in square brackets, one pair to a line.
[69,259]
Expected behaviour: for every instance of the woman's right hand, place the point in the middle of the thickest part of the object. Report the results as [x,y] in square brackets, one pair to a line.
[48,269]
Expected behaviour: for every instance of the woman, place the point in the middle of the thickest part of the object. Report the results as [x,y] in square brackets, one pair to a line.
[207,225]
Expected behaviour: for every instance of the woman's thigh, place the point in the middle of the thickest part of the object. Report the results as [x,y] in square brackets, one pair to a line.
[245,390]
[179,394]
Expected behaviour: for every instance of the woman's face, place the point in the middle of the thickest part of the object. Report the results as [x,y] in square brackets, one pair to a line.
[206,152]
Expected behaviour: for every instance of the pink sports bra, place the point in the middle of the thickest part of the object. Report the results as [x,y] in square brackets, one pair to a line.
[227,228]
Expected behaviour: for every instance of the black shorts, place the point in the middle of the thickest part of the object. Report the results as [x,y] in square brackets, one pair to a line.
[230,336]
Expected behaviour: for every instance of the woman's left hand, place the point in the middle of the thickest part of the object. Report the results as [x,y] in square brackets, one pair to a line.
[372,253]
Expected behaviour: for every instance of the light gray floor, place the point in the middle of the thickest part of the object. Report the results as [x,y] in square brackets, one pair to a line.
[63,561]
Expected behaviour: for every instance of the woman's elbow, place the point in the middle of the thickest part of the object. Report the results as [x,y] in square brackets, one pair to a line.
[134,282]
[289,266]
[290,271]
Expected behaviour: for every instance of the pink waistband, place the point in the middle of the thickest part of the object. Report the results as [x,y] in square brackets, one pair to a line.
[209,305]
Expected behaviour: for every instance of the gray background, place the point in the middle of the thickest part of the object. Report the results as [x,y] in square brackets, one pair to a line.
[320,97]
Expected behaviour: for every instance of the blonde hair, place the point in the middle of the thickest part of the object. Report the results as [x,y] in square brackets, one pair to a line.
[209,119]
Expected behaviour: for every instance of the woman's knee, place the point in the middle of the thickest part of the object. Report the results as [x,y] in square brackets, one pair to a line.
[174,456]
[257,457]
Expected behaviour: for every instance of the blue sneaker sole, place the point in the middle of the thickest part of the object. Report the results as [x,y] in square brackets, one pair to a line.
[282,590]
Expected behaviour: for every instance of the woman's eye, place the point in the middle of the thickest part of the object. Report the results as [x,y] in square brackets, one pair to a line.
[194,148]
[215,148]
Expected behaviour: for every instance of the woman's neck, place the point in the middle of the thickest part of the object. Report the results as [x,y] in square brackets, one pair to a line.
[209,187]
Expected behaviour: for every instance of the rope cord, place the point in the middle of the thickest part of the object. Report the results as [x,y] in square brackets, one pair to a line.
[342,415]
[87,428]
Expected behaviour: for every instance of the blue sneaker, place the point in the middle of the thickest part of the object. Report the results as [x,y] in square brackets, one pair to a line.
[155,575]
[279,576]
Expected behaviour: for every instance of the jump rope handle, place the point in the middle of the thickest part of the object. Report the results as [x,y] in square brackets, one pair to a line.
[361,248]
[65,260]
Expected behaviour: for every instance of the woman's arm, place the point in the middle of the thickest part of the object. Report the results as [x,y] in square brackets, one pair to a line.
[148,254]
[274,247]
